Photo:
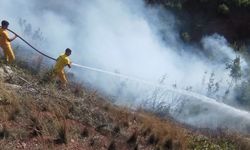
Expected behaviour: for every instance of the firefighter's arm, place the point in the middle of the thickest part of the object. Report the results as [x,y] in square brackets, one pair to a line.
[69,64]
[10,39]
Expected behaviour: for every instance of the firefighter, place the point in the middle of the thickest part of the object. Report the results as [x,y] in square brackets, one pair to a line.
[5,42]
[62,61]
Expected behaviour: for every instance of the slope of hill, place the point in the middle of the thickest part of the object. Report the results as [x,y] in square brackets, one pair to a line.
[35,114]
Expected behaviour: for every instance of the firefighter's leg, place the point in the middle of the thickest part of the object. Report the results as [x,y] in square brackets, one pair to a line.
[62,78]
[5,54]
[9,54]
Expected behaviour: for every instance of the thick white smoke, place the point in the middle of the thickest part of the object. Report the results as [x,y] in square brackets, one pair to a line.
[125,37]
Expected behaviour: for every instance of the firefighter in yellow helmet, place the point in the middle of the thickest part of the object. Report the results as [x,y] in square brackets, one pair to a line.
[5,42]
[62,61]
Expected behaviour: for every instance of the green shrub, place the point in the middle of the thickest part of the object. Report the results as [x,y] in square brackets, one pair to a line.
[223,9]
[185,36]
[243,3]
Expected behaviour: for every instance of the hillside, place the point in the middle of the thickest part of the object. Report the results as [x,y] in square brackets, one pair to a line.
[35,114]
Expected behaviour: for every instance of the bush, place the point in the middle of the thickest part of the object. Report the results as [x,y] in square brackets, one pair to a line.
[223,9]
[242,3]
[185,36]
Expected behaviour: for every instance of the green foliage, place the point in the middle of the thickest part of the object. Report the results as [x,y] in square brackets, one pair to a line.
[223,9]
[180,3]
[239,46]
[235,69]
[242,3]
[185,36]
[173,4]
[202,142]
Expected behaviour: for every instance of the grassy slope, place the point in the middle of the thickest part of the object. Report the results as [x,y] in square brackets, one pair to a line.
[36,115]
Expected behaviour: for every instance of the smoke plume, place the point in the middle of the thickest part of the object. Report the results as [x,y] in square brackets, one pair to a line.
[131,38]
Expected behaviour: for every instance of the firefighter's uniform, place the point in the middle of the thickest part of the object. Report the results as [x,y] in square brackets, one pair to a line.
[61,62]
[5,45]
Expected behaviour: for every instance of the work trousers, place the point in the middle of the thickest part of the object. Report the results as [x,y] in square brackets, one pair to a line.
[62,77]
[8,53]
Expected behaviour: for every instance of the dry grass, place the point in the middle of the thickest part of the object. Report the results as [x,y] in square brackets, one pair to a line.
[62,137]
[163,133]
[9,105]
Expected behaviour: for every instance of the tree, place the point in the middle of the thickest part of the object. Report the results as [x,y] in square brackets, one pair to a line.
[235,72]
[235,69]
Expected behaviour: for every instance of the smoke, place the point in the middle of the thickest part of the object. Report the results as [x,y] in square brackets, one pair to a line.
[129,38]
